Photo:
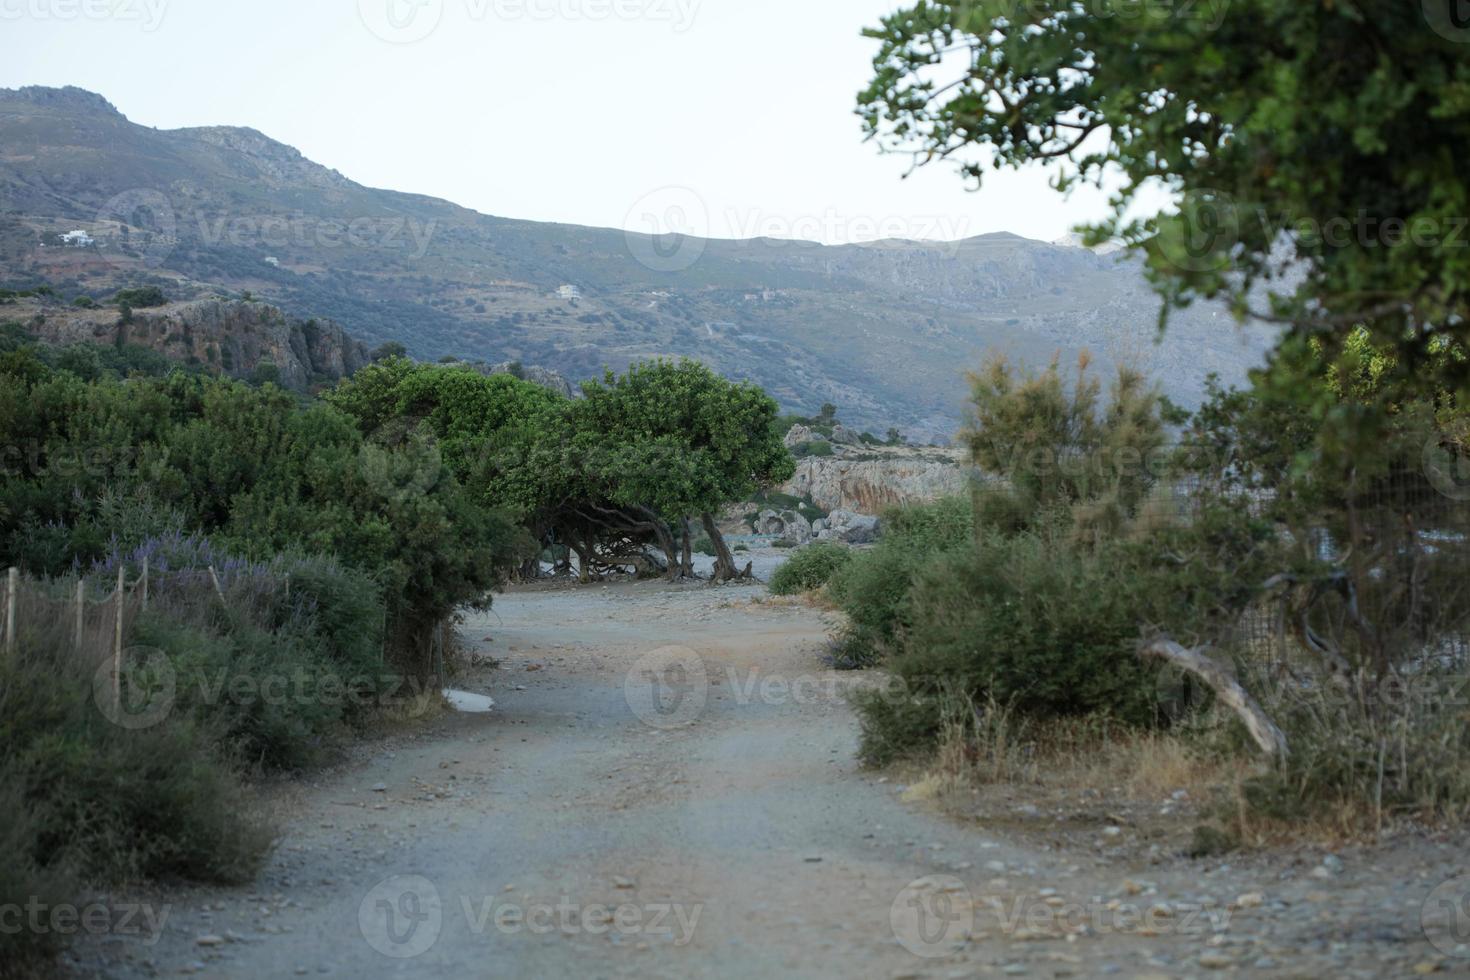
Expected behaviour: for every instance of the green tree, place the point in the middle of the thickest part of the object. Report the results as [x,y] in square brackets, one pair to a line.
[681,440]
[1332,149]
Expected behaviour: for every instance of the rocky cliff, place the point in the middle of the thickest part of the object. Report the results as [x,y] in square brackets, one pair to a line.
[231,336]
[871,479]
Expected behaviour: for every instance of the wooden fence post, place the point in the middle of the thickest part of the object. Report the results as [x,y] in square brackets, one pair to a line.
[117,636]
[213,577]
[81,611]
[145,584]
[12,592]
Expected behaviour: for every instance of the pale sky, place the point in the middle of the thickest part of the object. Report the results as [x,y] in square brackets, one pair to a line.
[736,114]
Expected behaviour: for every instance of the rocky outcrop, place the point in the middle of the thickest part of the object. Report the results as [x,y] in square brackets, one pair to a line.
[800,435]
[871,480]
[848,527]
[544,377]
[232,336]
[786,524]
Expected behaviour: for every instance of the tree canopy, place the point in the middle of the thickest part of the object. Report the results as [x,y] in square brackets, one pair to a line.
[603,475]
[1315,148]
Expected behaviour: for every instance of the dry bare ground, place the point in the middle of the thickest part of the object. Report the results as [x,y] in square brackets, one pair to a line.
[668,787]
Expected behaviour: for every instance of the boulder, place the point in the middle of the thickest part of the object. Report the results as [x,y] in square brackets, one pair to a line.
[849,528]
[843,436]
[786,524]
[800,435]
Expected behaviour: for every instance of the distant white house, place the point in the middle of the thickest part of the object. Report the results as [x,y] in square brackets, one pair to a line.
[569,292]
[272,261]
[77,239]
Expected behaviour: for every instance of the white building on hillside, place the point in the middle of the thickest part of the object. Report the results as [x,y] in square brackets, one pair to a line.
[569,292]
[77,239]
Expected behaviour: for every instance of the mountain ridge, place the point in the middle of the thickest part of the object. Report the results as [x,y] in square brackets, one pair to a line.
[883,329]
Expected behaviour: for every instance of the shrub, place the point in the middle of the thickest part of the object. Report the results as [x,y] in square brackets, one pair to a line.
[810,568]
[1360,758]
[1057,444]
[141,298]
[106,803]
[1027,621]
[26,952]
[874,588]
[283,664]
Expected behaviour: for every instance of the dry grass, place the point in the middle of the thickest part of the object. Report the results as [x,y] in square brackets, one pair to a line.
[991,756]
[1001,750]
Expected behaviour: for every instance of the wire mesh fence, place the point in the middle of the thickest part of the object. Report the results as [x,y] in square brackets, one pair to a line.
[86,618]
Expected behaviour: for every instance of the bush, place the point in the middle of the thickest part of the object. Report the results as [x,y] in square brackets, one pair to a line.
[22,879]
[90,802]
[1027,621]
[1360,759]
[874,588]
[810,568]
[141,298]
[281,668]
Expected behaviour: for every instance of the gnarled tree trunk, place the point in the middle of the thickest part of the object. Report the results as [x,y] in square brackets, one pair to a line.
[686,567]
[725,570]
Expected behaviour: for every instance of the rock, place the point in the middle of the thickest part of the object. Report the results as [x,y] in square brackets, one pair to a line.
[1216,961]
[800,435]
[843,436]
[1253,900]
[545,377]
[652,563]
[849,527]
[236,335]
[878,478]
[210,940]
[787,525]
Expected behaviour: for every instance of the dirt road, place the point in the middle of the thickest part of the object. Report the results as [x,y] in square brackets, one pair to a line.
[667,787]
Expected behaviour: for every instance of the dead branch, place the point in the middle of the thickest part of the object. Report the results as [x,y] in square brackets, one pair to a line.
[1263,730]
